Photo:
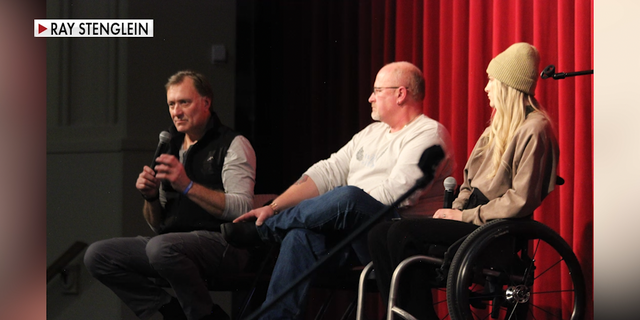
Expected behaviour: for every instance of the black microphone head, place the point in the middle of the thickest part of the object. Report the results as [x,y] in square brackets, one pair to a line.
[549,71]
[429,160]
[450,183]
[165,137]
[163,146]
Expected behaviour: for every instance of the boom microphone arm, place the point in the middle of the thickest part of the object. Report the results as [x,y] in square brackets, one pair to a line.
[550,70]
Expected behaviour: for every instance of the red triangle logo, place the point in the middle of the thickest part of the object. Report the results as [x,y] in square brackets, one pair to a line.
[41,28]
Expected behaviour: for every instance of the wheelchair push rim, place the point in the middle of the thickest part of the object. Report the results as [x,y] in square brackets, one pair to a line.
[515,269]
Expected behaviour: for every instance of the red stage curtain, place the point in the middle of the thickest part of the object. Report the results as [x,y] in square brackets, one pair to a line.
[453,42]
[315,60]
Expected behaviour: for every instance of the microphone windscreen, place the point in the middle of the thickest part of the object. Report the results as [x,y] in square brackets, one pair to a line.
[549,71]
[165,137]
[428,162]
[450,183]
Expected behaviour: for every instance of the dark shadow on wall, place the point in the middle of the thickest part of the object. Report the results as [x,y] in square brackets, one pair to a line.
[302,91]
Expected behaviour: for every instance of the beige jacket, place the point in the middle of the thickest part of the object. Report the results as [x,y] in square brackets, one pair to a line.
[526,176]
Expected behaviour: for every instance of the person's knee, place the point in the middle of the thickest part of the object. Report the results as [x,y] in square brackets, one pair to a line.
[96,259]
[377,236]
[395,232]
[161,253]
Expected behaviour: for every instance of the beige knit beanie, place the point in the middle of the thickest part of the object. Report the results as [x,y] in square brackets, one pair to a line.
[517,67]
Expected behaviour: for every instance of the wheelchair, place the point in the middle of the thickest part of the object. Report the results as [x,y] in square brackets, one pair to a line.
[506,269]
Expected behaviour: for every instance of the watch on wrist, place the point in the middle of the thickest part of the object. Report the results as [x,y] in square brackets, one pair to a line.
[150,199]
[274,207]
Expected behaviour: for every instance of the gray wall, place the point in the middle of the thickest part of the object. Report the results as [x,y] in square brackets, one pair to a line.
[106,104]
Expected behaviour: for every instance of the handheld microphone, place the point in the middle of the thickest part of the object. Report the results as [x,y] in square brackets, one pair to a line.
[163,147]
[449,186]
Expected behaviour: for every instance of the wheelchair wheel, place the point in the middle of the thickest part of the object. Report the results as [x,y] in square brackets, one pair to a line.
[515,269]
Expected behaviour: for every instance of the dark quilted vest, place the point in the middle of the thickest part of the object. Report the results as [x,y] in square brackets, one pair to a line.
[203,165]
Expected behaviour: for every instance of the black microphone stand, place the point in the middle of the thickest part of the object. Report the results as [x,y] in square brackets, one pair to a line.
[430,158]
[550,70]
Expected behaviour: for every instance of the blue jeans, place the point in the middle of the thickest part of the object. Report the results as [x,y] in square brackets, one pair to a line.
[304,232]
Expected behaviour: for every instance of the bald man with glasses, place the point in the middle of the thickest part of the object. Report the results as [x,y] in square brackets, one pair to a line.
[337,194]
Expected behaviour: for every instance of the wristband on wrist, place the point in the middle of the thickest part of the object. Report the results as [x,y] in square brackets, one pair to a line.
[188,188]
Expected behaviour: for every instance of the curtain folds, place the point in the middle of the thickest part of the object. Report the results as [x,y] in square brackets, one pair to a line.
[453,42]
[316,61]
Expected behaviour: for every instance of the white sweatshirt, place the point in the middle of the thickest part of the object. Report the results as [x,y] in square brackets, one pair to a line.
[385,165]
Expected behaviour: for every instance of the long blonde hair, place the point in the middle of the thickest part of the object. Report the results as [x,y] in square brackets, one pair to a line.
[508,115]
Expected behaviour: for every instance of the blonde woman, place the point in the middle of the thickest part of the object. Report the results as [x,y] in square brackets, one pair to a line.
[510,171]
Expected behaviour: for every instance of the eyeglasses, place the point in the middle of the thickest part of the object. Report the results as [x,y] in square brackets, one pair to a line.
[377,90]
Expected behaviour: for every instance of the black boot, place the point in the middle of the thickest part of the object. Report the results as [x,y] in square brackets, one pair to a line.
[241,234]
[172,310]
